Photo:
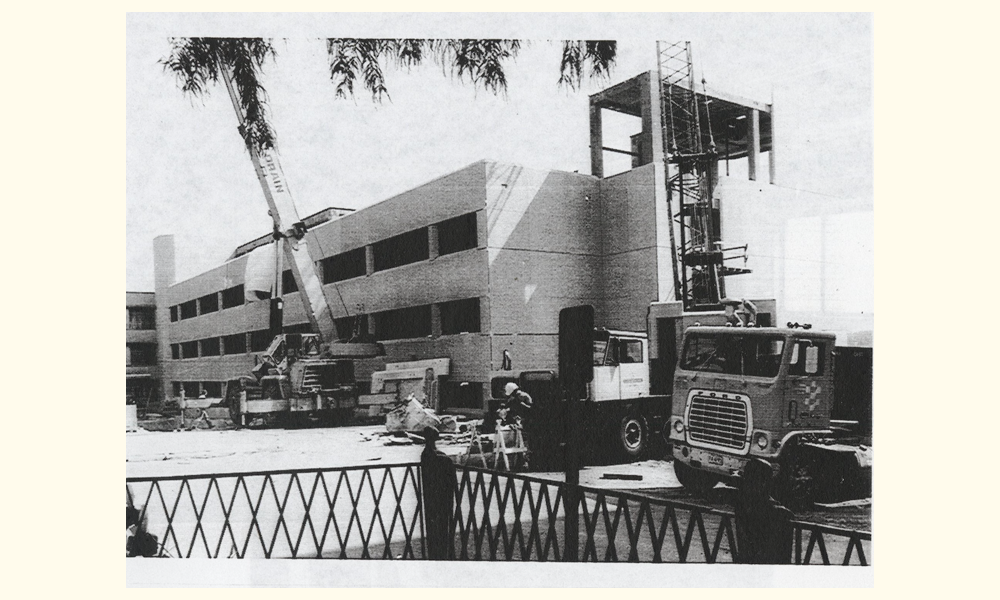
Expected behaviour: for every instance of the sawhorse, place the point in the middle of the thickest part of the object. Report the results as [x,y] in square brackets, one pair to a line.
[500,449]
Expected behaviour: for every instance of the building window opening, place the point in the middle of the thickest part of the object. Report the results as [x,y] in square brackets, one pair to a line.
[460,316]
[401,250]
[191,389]
[235,343]
[460,233]
[140,355]
[404,323]
[213,389]
[141,317]
[208,304]
[175,351]
[288,285]
[353,328]
[298,328]
[461,394]
[347,265]
[173,313]
[189,349]
[232,296]
[189,309]
[210,347]
[177,388]
[259,340]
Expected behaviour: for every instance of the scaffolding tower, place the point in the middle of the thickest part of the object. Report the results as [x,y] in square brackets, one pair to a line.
[691,167]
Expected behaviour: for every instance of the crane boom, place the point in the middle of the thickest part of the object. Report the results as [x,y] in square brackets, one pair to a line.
[288,226]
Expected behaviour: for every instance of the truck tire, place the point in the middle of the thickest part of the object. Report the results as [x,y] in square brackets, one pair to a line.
[797,484]
[633,436]
[697,482]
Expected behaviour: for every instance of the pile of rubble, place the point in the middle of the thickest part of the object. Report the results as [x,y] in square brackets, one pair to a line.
[405,422]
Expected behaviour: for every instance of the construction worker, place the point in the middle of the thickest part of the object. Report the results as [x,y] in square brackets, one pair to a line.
[517,404]
[740,313]
[515,410]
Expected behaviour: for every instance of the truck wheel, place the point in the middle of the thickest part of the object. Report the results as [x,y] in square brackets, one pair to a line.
[633,436]
[698,482]
[797,481]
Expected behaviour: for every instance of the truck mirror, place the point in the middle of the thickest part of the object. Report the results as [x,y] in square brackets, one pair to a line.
[576,349]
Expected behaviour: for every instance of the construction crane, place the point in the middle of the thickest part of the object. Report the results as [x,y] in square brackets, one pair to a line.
[691,165]
[309,373]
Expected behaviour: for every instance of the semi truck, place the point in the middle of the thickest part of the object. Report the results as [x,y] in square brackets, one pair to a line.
[771,393]
[717,396]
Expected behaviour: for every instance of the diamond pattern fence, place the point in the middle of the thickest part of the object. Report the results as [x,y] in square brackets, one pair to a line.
[502,516]
[377,513]
[354,512]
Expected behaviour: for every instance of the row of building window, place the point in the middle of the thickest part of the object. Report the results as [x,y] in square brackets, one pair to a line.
[193,389]
[454,235]
[237,343]
[453,394]
[457,316]
[209,303]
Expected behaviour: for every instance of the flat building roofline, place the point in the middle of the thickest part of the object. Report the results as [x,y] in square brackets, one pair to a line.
[617,98]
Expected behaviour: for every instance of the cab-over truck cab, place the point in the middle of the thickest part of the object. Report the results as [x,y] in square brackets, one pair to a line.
[741,393]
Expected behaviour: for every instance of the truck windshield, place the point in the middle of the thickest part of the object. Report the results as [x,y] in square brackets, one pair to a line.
[733,354]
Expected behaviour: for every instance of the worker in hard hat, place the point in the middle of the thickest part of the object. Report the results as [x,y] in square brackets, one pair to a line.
[515,411]
[516,405]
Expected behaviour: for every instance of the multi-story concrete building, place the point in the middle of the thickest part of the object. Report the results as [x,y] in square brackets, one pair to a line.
[481,260]
[141,364]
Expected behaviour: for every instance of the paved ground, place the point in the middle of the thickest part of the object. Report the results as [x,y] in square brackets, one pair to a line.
[228,451]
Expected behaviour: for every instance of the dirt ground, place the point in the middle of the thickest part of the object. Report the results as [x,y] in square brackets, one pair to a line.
[160,454]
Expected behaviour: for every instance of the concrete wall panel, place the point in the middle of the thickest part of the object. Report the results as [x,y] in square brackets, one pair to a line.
[449,277]
[532,352]
[454,194]
[628,211]
[529,289]
[529,209]
[631,285]
[213,368]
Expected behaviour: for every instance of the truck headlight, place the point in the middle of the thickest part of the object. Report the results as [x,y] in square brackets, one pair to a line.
[679,426]
[760,439]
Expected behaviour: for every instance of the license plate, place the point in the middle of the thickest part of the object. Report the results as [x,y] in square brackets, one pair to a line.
[715,459]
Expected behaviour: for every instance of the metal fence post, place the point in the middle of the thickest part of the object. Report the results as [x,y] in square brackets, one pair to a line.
[571,494]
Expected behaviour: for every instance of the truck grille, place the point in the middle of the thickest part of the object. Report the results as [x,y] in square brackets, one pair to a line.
[719,422]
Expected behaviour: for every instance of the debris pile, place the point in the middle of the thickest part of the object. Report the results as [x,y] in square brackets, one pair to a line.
[404,422]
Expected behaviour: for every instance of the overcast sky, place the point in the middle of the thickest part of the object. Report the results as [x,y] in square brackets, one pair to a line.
[188,174]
